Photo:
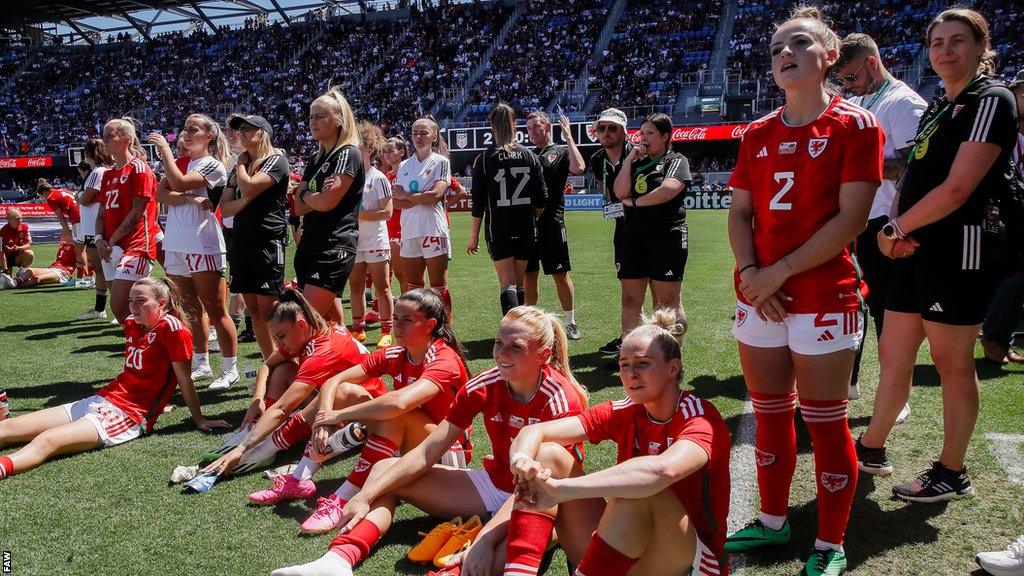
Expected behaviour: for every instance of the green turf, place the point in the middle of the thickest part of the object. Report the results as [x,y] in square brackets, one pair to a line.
[110,512]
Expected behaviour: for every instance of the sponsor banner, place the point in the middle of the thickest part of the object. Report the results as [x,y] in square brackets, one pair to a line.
[26,162]
[707,200]
[27,210]
[476,139]
[584,202]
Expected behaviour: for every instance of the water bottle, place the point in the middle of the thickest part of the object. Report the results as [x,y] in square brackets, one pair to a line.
[347,437]
[4,411]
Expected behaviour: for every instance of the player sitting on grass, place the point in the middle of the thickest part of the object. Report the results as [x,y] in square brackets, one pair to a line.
[58,272]
[427,368]
[309,351]
[531,382]
[668,496]
[158,355]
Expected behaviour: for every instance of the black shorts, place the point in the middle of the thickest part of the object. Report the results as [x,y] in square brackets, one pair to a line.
[328,269]
[257,266]
[520,249]
[949,280]
[551,251]
[659,256]
[229,234]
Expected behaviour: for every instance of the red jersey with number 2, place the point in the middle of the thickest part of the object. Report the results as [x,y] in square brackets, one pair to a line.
[793,174]
[118,189]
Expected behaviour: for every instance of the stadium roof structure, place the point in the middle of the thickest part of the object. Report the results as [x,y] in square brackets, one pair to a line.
[77,20]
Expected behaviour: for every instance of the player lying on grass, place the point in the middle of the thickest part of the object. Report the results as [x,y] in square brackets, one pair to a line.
[309,351]
[58,272]
[158,355]
[531,382]
[428,369]
[668,496]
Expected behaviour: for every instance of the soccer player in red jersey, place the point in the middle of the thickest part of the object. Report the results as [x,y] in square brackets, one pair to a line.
[126,226]
[668,495]
[68,214]
[17,241]
[427,367]
[310,350]
[531,382]
[806,174]
[158,350]
[59,271]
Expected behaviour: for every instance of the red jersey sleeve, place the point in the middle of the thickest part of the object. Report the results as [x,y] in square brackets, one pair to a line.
[700,432]
[143,184]
[467,405]
[26,236]
[863,159]
[597,422]
[177,342]
[377,364]
[740,175]
[316,369]
[442,371]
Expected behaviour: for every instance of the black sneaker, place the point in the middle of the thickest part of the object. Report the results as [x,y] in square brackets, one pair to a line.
[611,347]
[936,484]
[246,336]
[872,460]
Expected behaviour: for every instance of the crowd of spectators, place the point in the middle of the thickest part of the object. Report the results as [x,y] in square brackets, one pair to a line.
[550,43]
[655,42]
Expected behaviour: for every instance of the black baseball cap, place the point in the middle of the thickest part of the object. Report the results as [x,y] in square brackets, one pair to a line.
[260,122]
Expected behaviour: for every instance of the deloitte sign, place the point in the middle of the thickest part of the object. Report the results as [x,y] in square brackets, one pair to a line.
[707,200]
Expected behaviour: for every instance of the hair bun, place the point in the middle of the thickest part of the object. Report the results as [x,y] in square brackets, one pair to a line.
[671,320]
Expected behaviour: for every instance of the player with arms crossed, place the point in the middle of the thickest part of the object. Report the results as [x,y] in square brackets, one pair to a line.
[508,195]
[807,174]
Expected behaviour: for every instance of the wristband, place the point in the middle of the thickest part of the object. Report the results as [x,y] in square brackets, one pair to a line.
[745,267]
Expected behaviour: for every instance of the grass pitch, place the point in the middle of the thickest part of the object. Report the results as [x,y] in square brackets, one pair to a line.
[111,512]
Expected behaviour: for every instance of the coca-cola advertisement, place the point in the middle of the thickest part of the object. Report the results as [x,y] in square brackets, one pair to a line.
[26,162]
[699,133]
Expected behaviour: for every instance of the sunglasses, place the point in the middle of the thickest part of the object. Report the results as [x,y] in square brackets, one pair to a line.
[607,128]
[853,77]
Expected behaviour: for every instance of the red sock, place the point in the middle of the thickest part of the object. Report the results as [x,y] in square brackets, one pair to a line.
[79,272]
[528,537]
[385,326]
[294,430]
[601,559]
[446,298]
[376,449]
[359,324]
[835,465]
[774,449]
[355,546]
[6,467]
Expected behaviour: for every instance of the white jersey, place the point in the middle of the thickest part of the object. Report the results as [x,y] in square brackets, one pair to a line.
[373,234]
[899,110]
[191,229]
[424,220]
[88,214]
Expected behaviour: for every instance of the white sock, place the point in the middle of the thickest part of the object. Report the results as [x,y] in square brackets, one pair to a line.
[347,491]
[230,363]
[261,451]
[330,564]
[200,360]
[822,545]
[570,316]
[773,522]
[305,469]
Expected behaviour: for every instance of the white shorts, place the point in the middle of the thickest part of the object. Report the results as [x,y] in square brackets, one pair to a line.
[704,561]
[112,424]
[184,264]
[492,496]
[62,274]
[121,267]
[76,233]
[425,247]
[808,334]
[373,256]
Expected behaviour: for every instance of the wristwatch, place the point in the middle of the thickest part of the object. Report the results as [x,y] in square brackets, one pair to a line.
[891,230]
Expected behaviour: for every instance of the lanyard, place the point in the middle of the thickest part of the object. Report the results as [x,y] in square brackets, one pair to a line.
[878,93]
[931,125]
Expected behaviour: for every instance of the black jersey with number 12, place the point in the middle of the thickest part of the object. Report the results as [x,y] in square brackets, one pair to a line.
[507,186]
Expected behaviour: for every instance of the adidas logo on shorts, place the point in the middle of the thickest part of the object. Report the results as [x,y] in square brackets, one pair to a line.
[936,307]
[826,336]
